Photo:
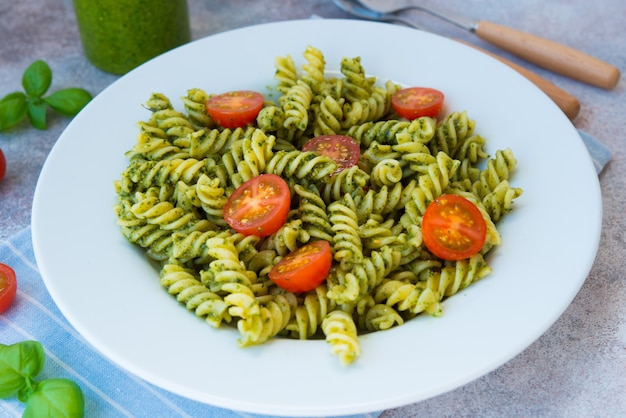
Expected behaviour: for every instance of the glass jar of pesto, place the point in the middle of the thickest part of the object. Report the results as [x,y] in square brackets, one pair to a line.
[119,35]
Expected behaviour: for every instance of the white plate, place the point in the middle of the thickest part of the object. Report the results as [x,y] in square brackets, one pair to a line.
[112,296]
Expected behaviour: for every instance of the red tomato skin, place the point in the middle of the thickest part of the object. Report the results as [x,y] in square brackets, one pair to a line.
[345,151]
[276,217]
[310,271]
[3,165]
[9,289]
[432,223]
[415,102]
[235,109]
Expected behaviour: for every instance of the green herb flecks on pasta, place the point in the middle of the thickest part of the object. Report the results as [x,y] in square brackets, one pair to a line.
[182,169]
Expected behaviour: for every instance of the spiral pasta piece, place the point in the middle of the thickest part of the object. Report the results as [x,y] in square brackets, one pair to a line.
[375,268]
[150,147]
[226,266]
[422,130]
[383,132]
[499,201]
[312,212]
[472,148]
[301,165]
[158,101]
[211,196]
[384,201]
[451,132]
[174,123]
[314,68]
[193,246]
[296,104]
[456,276]
[416,154]
[381,317]
[498,169]
[288,238]
[247,157]
[276,313]
[344,288]
[376,153]
[187,289]
[328,115]
[340,331]
[156,241]
[263,261]
[345,182]
[195,105]
[270,118]
[347,242]
[357,85]
[164,214]
[356,113]
[414,298]
[285,73]
[151,130]
[242,304]
[246,246]
[380,101]
[204,143]
[388,172]
[143,174]
[375,234]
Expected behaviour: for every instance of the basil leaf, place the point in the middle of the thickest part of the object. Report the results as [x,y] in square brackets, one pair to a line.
[37,113]
[68,101]
[61,398]
[18,364]
[13,96]
[13,108]
[37,78]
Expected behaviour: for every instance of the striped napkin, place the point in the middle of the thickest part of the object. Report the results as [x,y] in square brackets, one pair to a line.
[109,391]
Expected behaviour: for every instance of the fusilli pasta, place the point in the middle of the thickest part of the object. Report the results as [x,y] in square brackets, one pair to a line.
[183,168]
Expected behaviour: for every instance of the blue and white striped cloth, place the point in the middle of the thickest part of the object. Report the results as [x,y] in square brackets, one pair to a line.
[109,391]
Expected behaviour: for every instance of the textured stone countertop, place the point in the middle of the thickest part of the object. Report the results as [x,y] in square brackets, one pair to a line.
[578,367]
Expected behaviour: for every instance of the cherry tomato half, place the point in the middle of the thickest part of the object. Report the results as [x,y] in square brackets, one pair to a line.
[344,150]
[8,287]
[453,228]
[3,165]
[415,102]
[303,269]
[235,109]
[259,206]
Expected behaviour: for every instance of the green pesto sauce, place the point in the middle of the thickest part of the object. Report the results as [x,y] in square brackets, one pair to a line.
[119,35]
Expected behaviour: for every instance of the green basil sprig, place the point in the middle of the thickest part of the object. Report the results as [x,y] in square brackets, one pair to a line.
[19,364]
[36,81]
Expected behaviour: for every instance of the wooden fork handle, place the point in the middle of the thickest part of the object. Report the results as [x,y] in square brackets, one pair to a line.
[565,101]
[551,55]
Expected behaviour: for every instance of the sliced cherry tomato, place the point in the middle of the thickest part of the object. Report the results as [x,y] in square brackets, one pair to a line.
[303,269]
[415,102]
[235,109]
[343,150]
[259,206]
[3,165]
[8,287]
[453,228]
